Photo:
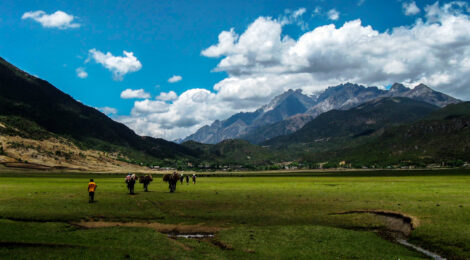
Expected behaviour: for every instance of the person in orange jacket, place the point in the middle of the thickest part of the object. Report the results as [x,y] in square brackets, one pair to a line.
[91,190]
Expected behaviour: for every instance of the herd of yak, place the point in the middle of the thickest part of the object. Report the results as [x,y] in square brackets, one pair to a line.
[171,178]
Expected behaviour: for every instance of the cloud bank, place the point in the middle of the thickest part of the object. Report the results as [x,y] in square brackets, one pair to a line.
[262,62]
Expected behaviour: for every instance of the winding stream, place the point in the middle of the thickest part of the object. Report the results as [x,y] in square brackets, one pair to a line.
[421,250]
[194,236]
[399,226]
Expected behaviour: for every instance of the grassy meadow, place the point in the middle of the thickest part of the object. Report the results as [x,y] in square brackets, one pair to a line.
[257,215]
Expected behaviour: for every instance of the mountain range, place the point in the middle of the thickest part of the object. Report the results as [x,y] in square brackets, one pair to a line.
[344,127]
[291,110]
[40,126]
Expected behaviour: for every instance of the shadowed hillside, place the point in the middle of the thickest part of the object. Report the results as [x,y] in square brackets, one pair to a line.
[441,138]
[363,120]
[25,96]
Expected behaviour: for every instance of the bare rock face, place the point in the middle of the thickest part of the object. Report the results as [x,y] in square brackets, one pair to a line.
[281,107]
[291,110]
[343,97]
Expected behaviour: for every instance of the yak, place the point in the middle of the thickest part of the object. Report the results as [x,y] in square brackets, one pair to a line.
[172,179]
[145,179]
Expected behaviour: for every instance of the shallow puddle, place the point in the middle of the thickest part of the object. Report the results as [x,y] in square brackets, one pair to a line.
[193,236]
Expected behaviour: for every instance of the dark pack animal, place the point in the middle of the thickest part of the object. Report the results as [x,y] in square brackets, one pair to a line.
[145,180]
[172,179]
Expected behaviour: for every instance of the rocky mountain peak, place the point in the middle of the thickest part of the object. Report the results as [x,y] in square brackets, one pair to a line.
[422,87]
[278,100]
[270,119]
[398,88]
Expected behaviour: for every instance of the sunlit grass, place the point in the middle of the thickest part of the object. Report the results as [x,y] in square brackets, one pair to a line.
[285,213]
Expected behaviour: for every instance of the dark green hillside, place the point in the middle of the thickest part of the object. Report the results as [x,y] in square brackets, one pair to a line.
[31,98]
[283,127]
[450,111]
[360,121]
[232,151]
[442,138]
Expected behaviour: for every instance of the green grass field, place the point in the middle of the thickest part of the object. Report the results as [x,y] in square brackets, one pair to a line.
[271,216]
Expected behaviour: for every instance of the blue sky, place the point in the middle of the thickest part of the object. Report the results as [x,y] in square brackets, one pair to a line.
[167,38]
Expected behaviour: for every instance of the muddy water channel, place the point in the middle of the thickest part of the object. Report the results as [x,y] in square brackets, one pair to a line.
[194,236]
[398,227]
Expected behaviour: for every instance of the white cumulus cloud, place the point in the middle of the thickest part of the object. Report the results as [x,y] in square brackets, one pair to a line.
[175,78]
[134,93]
[148,107]
[294,17]
[167,96]
[191,110]
[410,8]
[118,65]
[262,62]
[81,73]
[333,14]
[59,19]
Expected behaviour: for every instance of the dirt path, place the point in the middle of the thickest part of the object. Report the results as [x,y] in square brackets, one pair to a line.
[163,228]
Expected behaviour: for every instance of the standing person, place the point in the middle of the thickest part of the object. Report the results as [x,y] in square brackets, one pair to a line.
[187,179]
[181,178]
[130,184]
[194,178]
[91,190]
[128,178]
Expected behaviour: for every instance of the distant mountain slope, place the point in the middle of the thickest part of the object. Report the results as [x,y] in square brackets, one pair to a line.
[442,137]
[284,127]
[453,110]
[343,97]
[362,120]
[426,94]
[36,100]
[24,144]
[267,121]
[230,152]
[283,106]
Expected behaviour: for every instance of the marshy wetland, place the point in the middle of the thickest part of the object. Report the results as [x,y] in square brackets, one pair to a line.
[306,215]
